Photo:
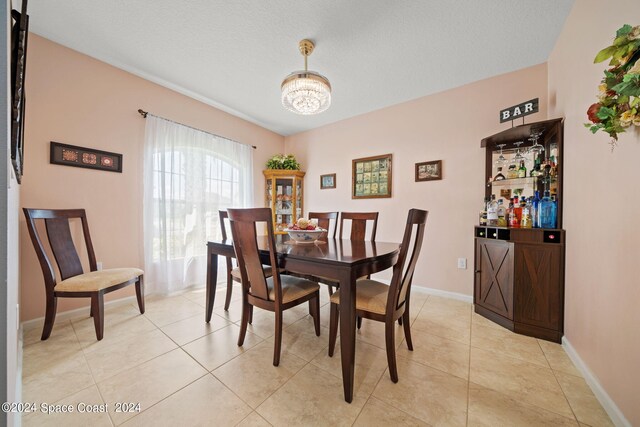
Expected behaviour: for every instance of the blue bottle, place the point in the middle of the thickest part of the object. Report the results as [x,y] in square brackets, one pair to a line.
[548,211]
[535,204]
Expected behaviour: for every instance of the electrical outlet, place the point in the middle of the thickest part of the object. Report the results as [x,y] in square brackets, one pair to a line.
[462,263]
[99,265]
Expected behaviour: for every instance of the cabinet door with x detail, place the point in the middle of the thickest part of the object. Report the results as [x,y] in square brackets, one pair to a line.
[494,276]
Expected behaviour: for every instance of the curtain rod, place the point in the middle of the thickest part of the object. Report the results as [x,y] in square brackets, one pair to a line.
[145,113]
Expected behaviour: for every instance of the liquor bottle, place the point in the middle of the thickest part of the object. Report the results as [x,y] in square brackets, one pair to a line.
[548,211]
[502,219]
[492,211]
[512,172]
[483,212]
[535,205]
[499,176]
[535,171]
[515,215]
[522,172]
[527,221]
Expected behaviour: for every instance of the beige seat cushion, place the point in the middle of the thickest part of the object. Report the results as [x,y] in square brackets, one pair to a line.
[97,280]
[371,296]
[292,288]
[235,273]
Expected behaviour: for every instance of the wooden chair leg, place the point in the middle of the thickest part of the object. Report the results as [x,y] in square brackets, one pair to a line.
[140,294]
[91,311]
[389,332]
[407,330]
[314,310]
[278,338]
[359,321]
[400,321]
[246,309]
[251,315]
[97,306]
[227,300]
[50,316]
[334,316]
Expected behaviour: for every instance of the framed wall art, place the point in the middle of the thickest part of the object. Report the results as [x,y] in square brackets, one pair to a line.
[371,177]
[328,181]
[19,38]
[429,171]
[81,157]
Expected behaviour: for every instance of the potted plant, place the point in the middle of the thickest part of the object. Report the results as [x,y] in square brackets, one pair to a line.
[281,161]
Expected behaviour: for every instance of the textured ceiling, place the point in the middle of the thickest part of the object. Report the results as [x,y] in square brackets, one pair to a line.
[376,53]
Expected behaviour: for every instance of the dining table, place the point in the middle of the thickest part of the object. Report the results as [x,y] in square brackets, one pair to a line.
[340,260]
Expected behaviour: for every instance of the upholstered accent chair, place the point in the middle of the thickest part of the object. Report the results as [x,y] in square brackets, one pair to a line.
[74,282]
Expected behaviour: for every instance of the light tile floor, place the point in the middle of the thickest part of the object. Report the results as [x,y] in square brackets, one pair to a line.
[464,370]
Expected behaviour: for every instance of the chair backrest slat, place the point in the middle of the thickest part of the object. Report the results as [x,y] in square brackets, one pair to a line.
[223,227]
[359,224]
[60,240]
[243,228]
[324,221]
[64,251]
[407,259]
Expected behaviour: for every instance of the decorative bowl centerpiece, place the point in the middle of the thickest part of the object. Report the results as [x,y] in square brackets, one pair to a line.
[304,231]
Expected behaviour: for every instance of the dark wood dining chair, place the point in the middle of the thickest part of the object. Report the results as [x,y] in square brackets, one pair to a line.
[74,283]
[388,303]
[325,220]
[233,273]
[276,293]
[359,221]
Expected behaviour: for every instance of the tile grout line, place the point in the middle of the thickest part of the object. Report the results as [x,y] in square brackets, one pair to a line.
[559,385]
[95,383]
[164,398]
[248,415]
[282,385]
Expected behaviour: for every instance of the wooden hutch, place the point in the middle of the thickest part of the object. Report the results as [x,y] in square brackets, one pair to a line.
[284,194]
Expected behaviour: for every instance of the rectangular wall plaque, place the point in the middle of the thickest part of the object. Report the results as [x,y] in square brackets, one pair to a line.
[519,110]
[371,177]
[81,157]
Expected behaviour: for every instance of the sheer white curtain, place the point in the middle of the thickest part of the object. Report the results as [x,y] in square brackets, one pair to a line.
[188,176]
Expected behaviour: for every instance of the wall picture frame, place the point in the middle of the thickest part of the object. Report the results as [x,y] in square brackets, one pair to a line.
[429,171]
[327,181]
[81,157]
[371,177]
[19,39]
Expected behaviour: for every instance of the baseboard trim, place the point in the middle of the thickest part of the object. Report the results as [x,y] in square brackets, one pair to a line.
[75,313]
[616,415]
[441,293]
[436,292]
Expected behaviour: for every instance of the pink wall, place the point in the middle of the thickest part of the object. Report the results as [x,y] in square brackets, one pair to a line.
[601,209]
[446,126]
[74,99]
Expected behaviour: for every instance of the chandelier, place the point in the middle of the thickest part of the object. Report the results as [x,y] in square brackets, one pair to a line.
[306,92]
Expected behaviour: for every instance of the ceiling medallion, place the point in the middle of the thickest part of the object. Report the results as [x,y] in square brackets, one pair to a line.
[306,92]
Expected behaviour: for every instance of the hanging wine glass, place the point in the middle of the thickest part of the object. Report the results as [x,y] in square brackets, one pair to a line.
[536,148]
[518,157]
[501,158]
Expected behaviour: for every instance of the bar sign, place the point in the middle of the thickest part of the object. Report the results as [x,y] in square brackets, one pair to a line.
[519,110]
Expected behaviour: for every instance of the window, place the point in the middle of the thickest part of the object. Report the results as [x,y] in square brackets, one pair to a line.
[191,175]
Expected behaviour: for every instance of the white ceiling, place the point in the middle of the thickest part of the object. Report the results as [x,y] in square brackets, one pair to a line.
[376,53]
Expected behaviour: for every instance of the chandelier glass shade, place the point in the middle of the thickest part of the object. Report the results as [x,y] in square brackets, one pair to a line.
[306,92]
